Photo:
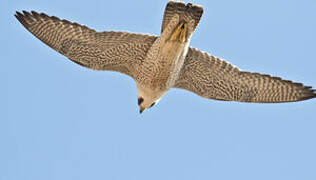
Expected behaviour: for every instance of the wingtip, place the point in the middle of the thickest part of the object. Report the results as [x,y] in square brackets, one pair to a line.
[18,14]
[310,94]
[314,93]
[35,14]
[21,17]
[25,17]
[25,12]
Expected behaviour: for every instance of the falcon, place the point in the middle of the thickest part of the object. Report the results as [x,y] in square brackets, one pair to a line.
[158,63]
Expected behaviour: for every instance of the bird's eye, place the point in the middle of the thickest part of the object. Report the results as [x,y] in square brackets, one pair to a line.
[152,104]
[140,100]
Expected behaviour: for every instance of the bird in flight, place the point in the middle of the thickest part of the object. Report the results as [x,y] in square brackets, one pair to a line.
[158,63]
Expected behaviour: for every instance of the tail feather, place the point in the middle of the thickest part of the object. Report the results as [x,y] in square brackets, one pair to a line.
[185,11]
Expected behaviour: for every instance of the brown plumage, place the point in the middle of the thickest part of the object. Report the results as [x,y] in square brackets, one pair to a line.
[213,78]
[186,12]
[160,63]
[116,51]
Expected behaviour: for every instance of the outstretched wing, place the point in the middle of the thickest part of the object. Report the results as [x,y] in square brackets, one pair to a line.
[115,51]
[213,78]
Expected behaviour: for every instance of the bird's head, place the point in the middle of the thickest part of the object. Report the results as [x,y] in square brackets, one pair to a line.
[145,103]
[148,98]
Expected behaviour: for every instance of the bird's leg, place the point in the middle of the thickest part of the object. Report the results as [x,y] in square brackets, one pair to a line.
[179,33]
[183,33]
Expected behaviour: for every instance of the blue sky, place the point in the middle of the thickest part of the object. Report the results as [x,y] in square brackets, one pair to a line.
[62,121]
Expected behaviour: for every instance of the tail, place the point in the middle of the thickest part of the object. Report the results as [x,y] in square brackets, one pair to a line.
[185,11]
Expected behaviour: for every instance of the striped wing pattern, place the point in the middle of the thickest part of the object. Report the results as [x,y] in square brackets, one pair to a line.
[213,78]
[116,51]
[186,12]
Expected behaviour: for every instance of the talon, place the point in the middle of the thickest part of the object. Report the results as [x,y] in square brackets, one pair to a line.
[179,33]
[183,33]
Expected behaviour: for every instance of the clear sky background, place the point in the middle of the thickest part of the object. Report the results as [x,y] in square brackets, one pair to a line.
[60,121]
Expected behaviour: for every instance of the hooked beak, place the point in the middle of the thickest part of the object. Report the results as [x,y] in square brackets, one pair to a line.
[141,110]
